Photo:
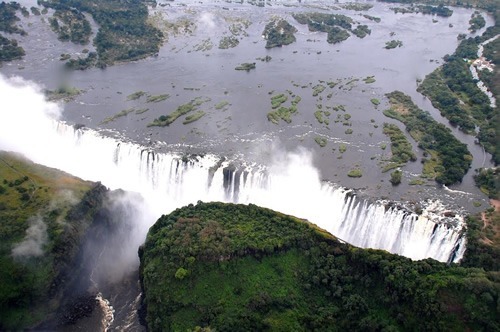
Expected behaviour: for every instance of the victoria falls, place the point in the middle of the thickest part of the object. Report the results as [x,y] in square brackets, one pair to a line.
[249,165]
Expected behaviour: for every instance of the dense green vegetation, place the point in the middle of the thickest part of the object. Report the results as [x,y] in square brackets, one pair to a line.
[279,32]
[247,66]
[318,89]
[361,31]
[322,22]
[487,120]
[492,78]
[355,173]
[489,5]
[229,267]
[393,44]
[9,48]
[35,11]
[123,113]
[396,177]
[64,56]
[33,263]
[281,112]
[483,241]
[322,116]
[124,33]
[136,95]
[356,6]
[157,98]
[372,18]
[321,141]
[450,159]
[222,105]
[452,89]
[488,180]
[401,149]
[71,25]
[228,42]
[439,10]
[335,25]
[167,120]
[277,100]
[194,117]
[336,35]
[369,79]
[8,18]
[476,22]
[63,92]
[83,63]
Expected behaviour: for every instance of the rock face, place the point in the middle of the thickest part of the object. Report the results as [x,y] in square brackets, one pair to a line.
[226,267]
[49,220]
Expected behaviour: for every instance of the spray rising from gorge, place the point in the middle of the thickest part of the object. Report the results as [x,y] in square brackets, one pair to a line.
[289,184]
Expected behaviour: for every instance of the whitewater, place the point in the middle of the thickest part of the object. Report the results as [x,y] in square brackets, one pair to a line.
[167,180]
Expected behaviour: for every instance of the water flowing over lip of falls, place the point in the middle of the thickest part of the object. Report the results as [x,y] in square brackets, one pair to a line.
[167,181]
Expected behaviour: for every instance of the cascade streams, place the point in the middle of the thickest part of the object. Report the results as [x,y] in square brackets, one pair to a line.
[291,185]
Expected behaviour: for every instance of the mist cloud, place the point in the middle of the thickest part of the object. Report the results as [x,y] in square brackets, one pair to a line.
[207,21]
[112,251]
[26,117]
[33,242]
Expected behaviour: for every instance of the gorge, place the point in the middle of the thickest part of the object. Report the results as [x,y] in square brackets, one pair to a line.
[175,150]
[291,184]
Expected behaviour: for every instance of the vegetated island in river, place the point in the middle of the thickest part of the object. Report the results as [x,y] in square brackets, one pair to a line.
[453,91]
[279,32]
[335,25]
[124,33]
[448,160]
[227,267]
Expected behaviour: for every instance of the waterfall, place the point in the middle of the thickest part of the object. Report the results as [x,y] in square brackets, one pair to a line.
[168,180]
[291,185]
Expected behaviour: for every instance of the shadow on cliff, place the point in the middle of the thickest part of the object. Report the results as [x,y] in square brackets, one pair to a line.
[105,264]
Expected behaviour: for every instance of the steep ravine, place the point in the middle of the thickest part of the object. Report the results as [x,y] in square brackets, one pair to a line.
[55,253]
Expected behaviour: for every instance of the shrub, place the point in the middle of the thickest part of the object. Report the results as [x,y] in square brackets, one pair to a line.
[355,173]
[396,177]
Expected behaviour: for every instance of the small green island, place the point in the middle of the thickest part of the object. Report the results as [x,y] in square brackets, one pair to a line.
[476,22]
[63,92]
[228,42]
[281,112]
[401,148]
[335,25]
[246,66]
[393,44]
[278,33]
[191,106]
[321,141]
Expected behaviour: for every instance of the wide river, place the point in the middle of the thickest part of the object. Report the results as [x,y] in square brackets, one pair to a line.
[190,65]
